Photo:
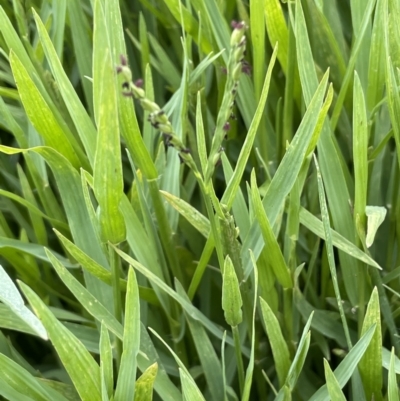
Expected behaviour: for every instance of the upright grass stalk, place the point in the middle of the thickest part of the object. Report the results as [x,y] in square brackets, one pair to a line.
[236,64]
[114,260]
[331,260]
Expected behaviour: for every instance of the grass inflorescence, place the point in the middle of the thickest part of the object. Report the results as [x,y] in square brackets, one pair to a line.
[192,209]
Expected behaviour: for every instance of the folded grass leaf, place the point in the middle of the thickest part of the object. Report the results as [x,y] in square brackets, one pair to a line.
[10,296]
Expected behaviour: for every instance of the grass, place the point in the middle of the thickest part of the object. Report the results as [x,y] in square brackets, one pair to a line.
[197,210]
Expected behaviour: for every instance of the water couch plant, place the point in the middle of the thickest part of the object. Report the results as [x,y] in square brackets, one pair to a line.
[199,200]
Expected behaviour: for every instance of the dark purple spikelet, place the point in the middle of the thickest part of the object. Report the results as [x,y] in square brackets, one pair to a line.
[227,126]
[118,68]
[246,67]
[124,60]
[167,137]
[139,83]
[237,24]
[185,150]
[224,70]
[125,85]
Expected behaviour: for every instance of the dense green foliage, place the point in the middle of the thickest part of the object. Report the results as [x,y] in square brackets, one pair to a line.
[199,210]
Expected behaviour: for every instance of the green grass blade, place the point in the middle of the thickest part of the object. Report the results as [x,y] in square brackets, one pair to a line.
[82,47]
[356,50]
[9,393]
[250,368]
[357,14]
[298,362]
[100,271]
[55,133]
[100,44]
[335,392]
[169,71]
[125,389]
[392,93]
[190,24]
[13,40]
[239,206]
[106,361]
[144,44]
[371,363]
[83,124]
[31,207]
[208,357]
[107,174]
[346,368]
[316,226]
[69,185]
[326,50]
[360,148]
[325,322]
[22,381]
[144,250]
[332,168]
[189,387]
[129,126]
[393,390]
[287,173]
[234,182]
[144,384]
[37,221]
[163,384]
[277,30]
[193,311]
[277,341]
[231,299]
[329,251]
[59,10]
[10,296]
[376,67]
[201,140]
[274,258]
[34,250]
[80,365]
[88,301]
[257,32]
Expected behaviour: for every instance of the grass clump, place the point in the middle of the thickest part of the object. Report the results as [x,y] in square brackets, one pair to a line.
[192,210]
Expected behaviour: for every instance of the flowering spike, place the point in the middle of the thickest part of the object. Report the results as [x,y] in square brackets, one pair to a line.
[139,83]
[246,67]
[157,117]
[227,126]
[124,60]
[238,33]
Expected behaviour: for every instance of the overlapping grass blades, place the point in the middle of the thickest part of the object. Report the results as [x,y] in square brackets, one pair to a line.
[178,241]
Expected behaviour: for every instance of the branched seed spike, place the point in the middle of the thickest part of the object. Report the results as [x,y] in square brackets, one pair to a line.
[157,117]
[236,65]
